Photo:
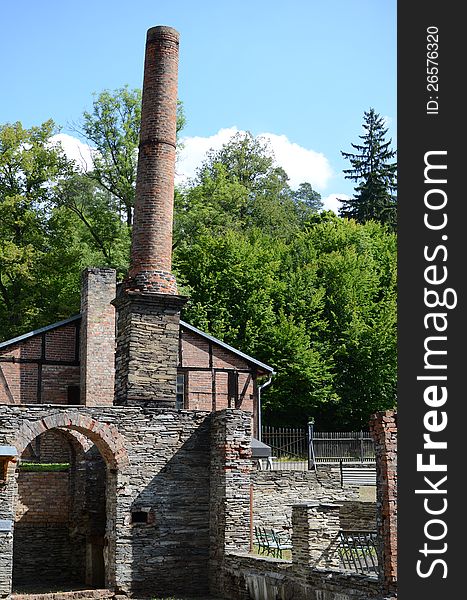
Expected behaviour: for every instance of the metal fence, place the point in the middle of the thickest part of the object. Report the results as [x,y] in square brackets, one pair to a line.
[286,442]
[301,447]
[357,551]
[332,447]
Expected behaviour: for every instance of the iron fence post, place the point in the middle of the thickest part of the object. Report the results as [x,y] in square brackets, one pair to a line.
[311,451]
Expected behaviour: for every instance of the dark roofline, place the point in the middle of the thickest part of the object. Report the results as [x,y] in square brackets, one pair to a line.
[31,334]
[248,358]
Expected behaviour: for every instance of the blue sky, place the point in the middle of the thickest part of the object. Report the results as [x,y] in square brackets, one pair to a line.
[303,70]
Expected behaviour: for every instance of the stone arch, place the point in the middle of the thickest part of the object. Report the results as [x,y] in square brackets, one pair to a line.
[84,431]
[104,435]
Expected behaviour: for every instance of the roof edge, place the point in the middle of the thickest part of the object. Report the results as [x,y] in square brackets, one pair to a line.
[246,357]
[35,332]
[184,324]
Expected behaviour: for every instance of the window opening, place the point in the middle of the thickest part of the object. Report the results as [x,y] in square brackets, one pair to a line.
[180,402]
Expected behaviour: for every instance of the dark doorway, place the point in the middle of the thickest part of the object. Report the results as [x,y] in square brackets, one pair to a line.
[60,515]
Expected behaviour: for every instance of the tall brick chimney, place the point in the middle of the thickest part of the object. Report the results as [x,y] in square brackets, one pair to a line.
[148,304]
[151,253]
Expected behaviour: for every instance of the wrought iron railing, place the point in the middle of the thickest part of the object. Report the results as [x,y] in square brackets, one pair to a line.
[304,447]
[357,551]
[286,442]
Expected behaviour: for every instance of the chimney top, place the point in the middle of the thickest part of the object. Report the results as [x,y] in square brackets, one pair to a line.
[162,31]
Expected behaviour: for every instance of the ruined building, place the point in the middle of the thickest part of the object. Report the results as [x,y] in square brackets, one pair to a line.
[129,471]
[136,507]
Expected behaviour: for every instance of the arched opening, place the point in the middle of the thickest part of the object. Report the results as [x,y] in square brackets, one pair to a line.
[64,502]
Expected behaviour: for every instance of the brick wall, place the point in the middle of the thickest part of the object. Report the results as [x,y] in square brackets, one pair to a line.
[209,390]
[41,538]
[60,516]
[195,350]
[56,380]
[50,447]
[60,343]
[97,349]
[43,498]
[383,428]
[47,379]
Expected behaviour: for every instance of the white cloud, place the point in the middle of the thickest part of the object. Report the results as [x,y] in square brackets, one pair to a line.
[301,164]
[331,202]
[194,152]
[75,150]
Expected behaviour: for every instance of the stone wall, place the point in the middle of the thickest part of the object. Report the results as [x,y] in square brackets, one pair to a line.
[312,574]
[274,492]
[356,515]
[157,467]
[249,577]
[147,349]
[230,469]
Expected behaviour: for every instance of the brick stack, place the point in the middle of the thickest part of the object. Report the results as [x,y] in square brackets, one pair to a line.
[151,252]
[97,349]
[383,428]
[148,304]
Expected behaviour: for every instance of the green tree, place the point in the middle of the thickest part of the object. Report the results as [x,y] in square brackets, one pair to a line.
[374,171]
[307,197]
[239,187]
[36,247]
[357,270]
[319,307]
[103,231]
[112,128]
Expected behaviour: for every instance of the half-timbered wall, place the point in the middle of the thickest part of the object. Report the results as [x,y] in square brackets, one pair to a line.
[41,369]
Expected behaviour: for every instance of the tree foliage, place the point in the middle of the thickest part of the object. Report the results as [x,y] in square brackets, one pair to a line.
[240,187]
[266,270]
[112,129]
[320,308]
[36,248]
[374,171]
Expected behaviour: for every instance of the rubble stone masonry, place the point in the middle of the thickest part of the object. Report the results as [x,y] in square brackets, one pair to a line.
[147,349]
[157,465]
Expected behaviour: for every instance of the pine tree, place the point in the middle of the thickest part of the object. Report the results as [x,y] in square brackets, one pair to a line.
[375,173]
